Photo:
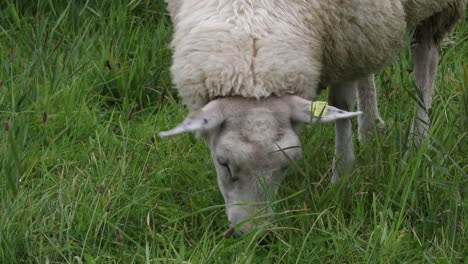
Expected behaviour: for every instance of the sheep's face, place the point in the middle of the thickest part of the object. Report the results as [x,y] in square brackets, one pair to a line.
[252,144]
[251,152]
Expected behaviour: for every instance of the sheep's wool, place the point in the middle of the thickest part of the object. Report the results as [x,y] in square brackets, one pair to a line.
[259,48]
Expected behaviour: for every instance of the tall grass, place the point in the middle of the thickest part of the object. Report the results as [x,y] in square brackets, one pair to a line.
[84,87]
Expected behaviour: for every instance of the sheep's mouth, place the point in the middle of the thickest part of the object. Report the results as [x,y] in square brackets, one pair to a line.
[230,232]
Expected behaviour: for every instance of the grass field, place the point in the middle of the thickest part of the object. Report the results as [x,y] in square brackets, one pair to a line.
[85,87]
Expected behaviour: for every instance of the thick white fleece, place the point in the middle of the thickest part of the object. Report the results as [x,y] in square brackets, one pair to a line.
[259,48]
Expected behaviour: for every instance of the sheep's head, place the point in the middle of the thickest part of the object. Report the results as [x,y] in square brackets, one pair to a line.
[252,144]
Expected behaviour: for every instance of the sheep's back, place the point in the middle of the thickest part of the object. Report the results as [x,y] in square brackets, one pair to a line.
[276,47]
[248,48]
[360,37]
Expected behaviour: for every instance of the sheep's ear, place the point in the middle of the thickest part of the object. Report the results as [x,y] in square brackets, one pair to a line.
[209,117]
[312,112]
[324,113]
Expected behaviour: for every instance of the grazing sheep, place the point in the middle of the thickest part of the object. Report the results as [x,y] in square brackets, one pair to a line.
[248,71]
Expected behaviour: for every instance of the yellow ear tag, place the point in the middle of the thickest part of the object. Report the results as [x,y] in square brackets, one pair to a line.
[319,108]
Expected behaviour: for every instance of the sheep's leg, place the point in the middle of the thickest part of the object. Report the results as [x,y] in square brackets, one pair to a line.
[367,103]
[426,55]
[428,36]
[343,96]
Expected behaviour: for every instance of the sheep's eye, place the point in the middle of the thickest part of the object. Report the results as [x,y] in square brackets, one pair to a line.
[222,161]
[225,163]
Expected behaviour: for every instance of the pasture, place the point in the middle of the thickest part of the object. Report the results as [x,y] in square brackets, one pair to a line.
[84,89]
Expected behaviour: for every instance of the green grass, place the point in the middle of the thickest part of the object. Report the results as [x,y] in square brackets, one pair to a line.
[84,87]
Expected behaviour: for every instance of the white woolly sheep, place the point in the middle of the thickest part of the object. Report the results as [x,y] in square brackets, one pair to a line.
[252,69]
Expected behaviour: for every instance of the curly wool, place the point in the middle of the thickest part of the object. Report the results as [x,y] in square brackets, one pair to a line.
[277,47]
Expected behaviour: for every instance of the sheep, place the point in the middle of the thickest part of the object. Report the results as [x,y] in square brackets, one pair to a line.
[250,70]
